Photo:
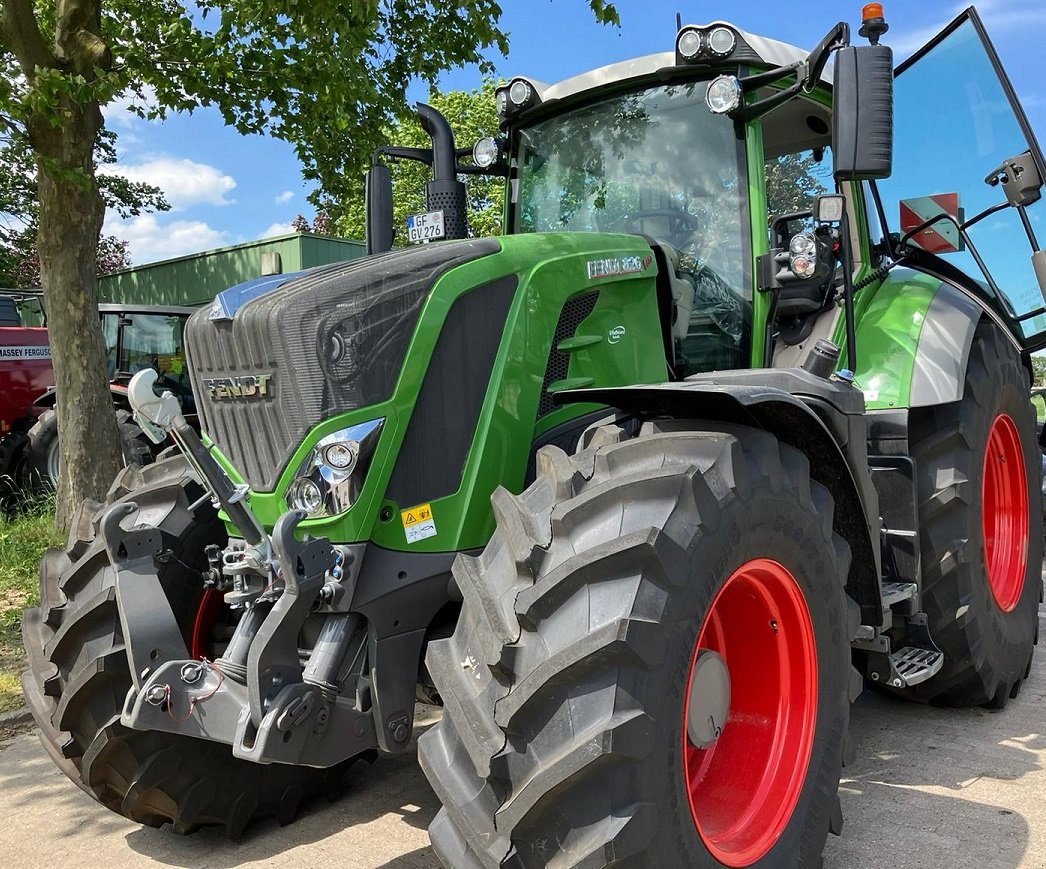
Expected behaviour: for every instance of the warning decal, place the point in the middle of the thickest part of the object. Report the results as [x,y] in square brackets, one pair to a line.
[943,236]
[418,523]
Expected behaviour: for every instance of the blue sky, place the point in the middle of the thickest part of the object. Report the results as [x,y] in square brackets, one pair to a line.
[225,188]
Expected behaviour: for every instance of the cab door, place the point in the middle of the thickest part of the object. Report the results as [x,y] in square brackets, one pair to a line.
[957,122]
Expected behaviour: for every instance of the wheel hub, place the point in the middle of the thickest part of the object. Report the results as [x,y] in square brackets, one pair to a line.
[709,700]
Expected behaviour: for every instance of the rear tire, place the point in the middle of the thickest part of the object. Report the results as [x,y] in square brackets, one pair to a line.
[566,682]
[78,676]
[981,598]
[14,456]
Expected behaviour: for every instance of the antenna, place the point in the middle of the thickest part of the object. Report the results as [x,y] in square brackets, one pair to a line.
[679,22]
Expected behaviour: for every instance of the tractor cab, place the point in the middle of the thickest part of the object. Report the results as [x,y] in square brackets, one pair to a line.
[718,152]
[714,153]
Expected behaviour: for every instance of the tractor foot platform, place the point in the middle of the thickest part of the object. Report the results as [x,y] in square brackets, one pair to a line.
[912,665]
[896,592]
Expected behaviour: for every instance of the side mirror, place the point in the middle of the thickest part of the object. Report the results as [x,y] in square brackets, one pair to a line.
[862,114]
[379,209]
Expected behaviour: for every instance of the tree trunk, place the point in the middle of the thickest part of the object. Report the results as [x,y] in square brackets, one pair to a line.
[71,214]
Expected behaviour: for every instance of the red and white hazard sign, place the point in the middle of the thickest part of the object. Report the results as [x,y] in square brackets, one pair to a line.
[943,236]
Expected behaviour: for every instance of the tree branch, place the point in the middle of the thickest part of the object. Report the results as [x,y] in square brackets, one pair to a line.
[78,38]
[21,35]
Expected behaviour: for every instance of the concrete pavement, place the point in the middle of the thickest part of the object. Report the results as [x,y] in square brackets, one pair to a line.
[930,788]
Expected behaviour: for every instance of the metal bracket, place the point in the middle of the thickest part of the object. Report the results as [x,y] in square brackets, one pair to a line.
[301,727]
[150,631]
[155,414]
[272,663]
[917,662]
[393,695]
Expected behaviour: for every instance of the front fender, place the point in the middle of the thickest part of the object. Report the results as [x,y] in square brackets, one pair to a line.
[47,400]
[822,419]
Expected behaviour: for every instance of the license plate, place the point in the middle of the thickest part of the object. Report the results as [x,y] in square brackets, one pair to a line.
[425,227]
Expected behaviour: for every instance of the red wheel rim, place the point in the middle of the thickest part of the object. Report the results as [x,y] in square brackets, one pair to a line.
[745,786]
[1004,513]
[203,625]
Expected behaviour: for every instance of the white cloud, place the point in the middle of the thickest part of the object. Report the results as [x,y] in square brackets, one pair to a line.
[284,197]
[999,16]
[118,111]
[184,182]
[277,229]
[151,240]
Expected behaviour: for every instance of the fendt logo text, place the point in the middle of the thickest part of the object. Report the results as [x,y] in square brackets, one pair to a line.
[619,265]
[245,386]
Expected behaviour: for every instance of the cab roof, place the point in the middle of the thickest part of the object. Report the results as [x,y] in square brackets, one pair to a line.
[751,49]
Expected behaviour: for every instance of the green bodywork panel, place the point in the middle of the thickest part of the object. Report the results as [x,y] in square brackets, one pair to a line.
[619,343]
[889,319]
[757,214]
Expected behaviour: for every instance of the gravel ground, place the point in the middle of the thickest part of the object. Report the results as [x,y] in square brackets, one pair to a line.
[930,788]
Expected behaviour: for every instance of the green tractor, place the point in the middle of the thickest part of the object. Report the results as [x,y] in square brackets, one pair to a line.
[642,492]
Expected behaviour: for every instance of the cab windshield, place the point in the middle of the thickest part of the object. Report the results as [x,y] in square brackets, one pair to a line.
[658,163]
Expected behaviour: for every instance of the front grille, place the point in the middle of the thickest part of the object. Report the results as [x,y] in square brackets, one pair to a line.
[332,340]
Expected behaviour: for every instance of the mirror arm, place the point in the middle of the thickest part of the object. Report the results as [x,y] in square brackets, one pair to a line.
[837,37]
[419,155]
[498,169]
[750,112]
[759,79]
[807,74]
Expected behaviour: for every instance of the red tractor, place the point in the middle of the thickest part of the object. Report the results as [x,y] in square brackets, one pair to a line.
[25,374]
[136,337]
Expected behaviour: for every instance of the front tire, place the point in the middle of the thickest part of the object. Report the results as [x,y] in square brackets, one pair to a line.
[978,486]
[567,680]
[78,674]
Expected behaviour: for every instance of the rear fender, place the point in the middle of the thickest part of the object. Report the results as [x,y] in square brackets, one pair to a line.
[833,442]
[913,342]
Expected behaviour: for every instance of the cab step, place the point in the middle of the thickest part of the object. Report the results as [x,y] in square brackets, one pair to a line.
[912,665]
[895,592]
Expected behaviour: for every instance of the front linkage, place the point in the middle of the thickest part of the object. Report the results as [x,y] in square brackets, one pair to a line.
[259,699]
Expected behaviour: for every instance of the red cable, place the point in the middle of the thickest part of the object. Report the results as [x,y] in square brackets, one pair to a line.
[195,700]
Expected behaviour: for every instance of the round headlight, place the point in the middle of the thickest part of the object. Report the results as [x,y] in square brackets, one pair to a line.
[721,41]
[689,43]
[802,244]
[341,455]
[803,266]
[485,152]
[304,494]
[337,348]
[519,92]
[723,94]
[501,102]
